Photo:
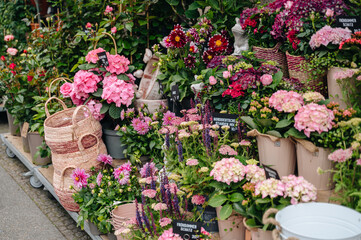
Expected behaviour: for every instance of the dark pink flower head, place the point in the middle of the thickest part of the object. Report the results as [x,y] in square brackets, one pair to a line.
[99,178]
[198,199]
[104,158]
[148,169]
[80,178]
[168,117]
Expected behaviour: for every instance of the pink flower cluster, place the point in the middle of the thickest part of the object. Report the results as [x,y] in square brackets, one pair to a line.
[313,117]
[80,178]
[198,200]
[228,170]
[270,187]
[340,155]
[117,64]
[255,174]
[12,51]
[122,173]
[285,101]
[141,125]
[92,56]
[95,106]
[227,150]
[298,189]
[151,166]
[104,158]
[165,221]
[8,38]
[266,79]
[150,193]
[117,91]
[347,73]
[314,97]
[169,235]
[327,35]
[85,82]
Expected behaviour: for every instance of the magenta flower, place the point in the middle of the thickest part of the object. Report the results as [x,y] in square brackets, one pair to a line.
[66,89]
[169,235]
[168,117]
[108,9]
[165,221]
[88,25]
[340,155]
[113,30]
[106,159]
[99,178]
[80,178]
[142,128]
[198,200]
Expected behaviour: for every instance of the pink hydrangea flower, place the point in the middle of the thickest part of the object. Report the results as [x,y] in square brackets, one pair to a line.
[266,79]
[358,162]
[314,97]
[80,178]
[228,170]
[192,162]
[270,187]
[340,155]
[108,9]
[99,178]
[104,158]
[78,98]
[92,56]
[165,221]
[8,38]
[226,74]
[313,118]
[117,91]
[149,193]
[327,35]
[286,101]
[12,51]
[227,150]
[117,64]
[168,117]
[160,206]
[169,235]
[113,30]
[212,80]
[298,189]
[198,200]
[342,74]
[255,174]
[85,82]
[95,106]
[66,89]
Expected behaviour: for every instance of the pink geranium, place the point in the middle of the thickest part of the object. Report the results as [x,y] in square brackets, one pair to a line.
[95,106]
[228,170]
[169,235]
[117,64]
[80,178]
[285,101]
[86,82]
[66,89]
[104,158]
[313,118]
[340,155]
[92,56]
[198,200]
[12,51]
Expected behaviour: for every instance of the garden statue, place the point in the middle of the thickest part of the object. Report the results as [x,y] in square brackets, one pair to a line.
[240,39]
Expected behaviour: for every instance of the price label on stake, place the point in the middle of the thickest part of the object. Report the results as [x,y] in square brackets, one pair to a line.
[187,229]
[24,130]
[223,119]
[351,22]
[175,93]
[161,88]
[270,172]
[103,59]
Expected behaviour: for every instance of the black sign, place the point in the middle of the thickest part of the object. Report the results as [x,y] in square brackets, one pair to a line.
[103,59]
[270,172]
[351,22]
[161,88]
[223,119]
[187,229]
[175,93]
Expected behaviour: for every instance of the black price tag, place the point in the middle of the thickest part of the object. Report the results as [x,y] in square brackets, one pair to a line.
[223,119]
[270,172]
[187,229]
[161,88]
[103,59]
[351,22]
[175,93]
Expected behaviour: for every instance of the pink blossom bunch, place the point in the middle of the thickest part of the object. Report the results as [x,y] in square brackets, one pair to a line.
[314,97]
[298,189]
[141,125]
[165,221]
[340,155]
[80,178]
[192,162]
[168,117]
[99,178]
[92,56]
[255,174]
[117,64]
[314,118]
[8,38]
[108,10]
[104,158]
[227,150]
[12,51]
[228,170]
[122,173]
[150,193]
[66,89]
[85,82]
[160,206]
[169,235]
[117,91]
[266,79]
[95,106]
[285,101]
[347,73]
[327,35]
[270,187]
[198,200]
[151,166]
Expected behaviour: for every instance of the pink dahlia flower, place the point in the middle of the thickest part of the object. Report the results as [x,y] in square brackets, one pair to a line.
[80,178]
[104,158]
[168,117]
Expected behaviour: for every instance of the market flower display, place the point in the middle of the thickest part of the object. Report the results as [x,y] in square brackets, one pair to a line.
[286,101]
[314,118]
[228,170]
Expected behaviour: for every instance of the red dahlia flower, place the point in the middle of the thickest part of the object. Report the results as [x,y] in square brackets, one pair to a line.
[218,43]
[189,61]
[177,38]
[208,56]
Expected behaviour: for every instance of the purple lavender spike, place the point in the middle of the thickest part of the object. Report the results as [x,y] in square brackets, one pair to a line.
[138,218]
[180,151]
[167,144]
[153,223]
[146,220]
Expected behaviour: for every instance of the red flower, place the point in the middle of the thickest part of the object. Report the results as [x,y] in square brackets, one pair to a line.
[25,51]
[13,72]
[30,78]
[177,38]
[42,74]
[249,22]
[208,56]
[12,66]
[177,27]
[3,58]
[218,43]
[189,61]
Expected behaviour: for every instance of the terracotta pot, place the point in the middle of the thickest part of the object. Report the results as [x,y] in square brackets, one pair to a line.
[153,105]
[232,228]
[334,89]
[113,143]
[35,140]
[257,233]
[13,129]
[308,162]
[279,155]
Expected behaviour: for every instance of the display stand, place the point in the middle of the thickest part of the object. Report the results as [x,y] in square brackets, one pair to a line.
[38,175]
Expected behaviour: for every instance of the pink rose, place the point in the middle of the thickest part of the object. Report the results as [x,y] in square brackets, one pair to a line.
[329,12]
[266,79]
[226,74]
[108,9]
[88,25]
[66,89]
[8,38]
[12,51]
[113,30]
[212,80]
[230,68]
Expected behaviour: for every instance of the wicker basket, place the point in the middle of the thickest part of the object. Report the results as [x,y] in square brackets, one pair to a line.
[273,54]
[62,129]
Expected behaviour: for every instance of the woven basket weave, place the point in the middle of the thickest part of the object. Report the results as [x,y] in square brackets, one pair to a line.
[273,54]
[62,129]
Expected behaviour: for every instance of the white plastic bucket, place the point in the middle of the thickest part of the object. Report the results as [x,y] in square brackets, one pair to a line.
[319,221]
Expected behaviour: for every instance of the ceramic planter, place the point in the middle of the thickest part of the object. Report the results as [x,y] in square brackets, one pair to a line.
[25,142]
[231,228]
[153,105]
[13,129]
[258,233]
[113,144]
[35,140]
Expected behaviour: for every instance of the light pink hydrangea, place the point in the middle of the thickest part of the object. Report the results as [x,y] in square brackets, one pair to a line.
[227,150]
[8,38]
[198,200]
[66,89]
[270,187]
[228,170]
[78,98]
[12,51]
[118,91]
[344,73]
[192,162]
[95,106]
[255,174]
[285,101]
[165,221]
[92,56]
[314,97]
[298,189]
[327,35]
[160,206]
[149,193]
[117,64]
[313,118]
[340,155]
[266,79]
[169,235]
[86,82]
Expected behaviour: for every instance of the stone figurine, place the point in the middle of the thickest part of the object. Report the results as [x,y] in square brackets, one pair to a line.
[240,39]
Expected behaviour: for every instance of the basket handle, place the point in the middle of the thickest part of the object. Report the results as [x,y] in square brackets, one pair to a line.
[74,123]
[62,175]
[80,145]
[46,105]
[276,47]
[55,80]
[115,45]
[266,219]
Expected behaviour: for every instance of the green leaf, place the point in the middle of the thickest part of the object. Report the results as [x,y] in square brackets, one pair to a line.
[86,66]
[236,197]
[214,4]
[274,133]
[217,201]
[129,26]
[293,132]
[173,2]
[217,185]
[237,206]
[114,111]
[98,93]
[276,80]
[192,14]
[123,77]
[162,76]
[19,98]
[194,6]
[225,212]
[105,108]
[263,200]
[249,121]
[152,144]
[283,123]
